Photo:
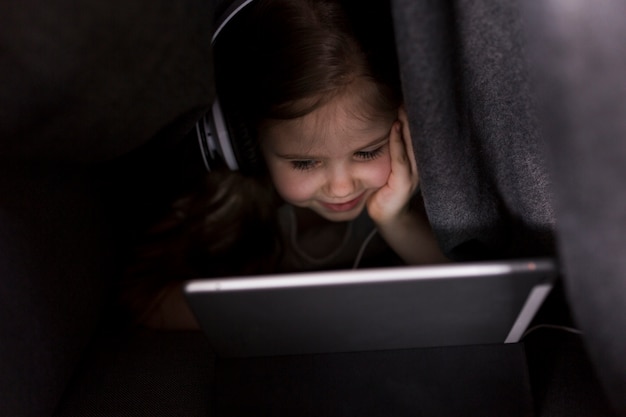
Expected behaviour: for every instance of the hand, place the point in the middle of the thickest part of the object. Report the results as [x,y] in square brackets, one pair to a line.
[392,200]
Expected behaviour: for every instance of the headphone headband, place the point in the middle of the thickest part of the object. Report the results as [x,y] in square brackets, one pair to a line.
[213,133]
[230,12]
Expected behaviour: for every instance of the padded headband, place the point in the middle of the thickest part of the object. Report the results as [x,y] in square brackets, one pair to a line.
[212,130]
[230,12]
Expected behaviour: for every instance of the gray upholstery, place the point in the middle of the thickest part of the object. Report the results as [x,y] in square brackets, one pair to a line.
[82,83]
[143,373]
[54,268]
[580,61]
[92,81]
[478,149]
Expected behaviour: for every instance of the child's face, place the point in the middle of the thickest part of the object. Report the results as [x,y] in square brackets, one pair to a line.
[332,160]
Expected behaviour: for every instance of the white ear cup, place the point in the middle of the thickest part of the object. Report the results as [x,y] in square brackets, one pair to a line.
[224,142]
[205,142]
[214,139]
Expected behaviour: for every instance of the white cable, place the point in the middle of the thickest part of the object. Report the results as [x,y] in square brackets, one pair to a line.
[362,248]
[551,326]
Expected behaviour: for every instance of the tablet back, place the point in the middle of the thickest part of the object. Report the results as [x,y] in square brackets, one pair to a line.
[371,309]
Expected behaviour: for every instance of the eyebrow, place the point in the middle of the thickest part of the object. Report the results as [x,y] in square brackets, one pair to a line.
[373,144]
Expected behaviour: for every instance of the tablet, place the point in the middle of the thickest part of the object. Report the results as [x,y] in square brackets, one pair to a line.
[371,309]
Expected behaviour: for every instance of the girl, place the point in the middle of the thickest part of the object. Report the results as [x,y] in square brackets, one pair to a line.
[332,175]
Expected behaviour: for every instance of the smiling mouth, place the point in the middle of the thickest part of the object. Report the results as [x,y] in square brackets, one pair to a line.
[347,206]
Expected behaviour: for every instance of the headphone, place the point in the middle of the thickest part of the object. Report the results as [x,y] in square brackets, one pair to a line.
[223,138]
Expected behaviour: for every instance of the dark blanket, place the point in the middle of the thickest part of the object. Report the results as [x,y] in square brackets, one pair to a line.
[579,50]
[92,80]
[518,114]
[478,149]
[518,117]
[81,83]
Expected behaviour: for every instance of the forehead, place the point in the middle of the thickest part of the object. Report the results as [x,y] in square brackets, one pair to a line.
[346,122]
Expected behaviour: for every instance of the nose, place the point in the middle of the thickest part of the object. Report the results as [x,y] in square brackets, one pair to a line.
[340,182]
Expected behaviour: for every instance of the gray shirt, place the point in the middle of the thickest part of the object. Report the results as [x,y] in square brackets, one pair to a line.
[335,245]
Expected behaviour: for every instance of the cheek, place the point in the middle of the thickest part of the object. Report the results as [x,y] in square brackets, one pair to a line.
[283,178]
[377,172]
[292,187]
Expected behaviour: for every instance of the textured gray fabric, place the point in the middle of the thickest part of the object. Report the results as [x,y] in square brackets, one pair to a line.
[479,154]
[563,379]
[143,373]
[82,82]
[455,381]
[580,52]
[54,274]
[93,80]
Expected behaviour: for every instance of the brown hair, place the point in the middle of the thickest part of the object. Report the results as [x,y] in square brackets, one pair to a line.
[296,55]
[223,228]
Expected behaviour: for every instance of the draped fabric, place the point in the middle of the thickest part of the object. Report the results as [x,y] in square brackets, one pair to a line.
[92,81]
[579,51]
[478,149]
[518,114]
[81,83]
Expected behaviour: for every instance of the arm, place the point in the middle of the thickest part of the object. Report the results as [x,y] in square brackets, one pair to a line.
[170,311]
[406,231]
[411,237]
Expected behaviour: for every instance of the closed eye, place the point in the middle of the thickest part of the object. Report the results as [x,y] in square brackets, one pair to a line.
[304,165]
[369,155]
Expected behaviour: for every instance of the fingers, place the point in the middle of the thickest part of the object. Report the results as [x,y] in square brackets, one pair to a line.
[403,158]
[392,200]
[408,142]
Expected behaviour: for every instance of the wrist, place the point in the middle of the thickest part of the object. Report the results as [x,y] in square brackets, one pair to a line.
[401,219]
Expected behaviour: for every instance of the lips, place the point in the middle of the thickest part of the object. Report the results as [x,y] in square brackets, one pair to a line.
[344,206]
